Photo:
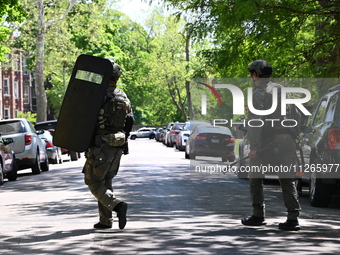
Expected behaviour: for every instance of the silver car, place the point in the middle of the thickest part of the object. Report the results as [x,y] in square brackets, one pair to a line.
[29,148]
[53,152]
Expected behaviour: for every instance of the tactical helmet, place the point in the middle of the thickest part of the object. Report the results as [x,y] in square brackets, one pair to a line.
[117,71]
[261,67]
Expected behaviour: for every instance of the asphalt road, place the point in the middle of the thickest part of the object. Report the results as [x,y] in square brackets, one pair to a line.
[171,211]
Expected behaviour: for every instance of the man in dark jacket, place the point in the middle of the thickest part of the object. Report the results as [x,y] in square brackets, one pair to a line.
[280,153]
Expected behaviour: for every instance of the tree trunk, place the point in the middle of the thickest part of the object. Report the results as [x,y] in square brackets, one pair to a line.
[187,83]
[39,66]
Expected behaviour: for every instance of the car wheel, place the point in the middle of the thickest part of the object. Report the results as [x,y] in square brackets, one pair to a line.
[187,156]
[73,155]
[55,160]
[152,136]
[36,166]
[133,137]
[45,165]
[319,193]
[13,175]
[60,161]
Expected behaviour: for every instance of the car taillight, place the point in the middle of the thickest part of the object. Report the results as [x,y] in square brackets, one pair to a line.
[230,140]
[28,139]
[49,144]
[200,138]
[334,139]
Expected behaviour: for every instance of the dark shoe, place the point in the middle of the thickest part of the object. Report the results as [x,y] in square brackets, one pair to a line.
[253,221]
[99,225]
[121,209]
[290,225]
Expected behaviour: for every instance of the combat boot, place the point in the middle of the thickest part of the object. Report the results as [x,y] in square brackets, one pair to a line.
[101,226]
[253,221]
[290,225]
[121,210]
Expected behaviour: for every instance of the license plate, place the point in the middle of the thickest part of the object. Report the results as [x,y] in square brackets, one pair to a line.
[215,140]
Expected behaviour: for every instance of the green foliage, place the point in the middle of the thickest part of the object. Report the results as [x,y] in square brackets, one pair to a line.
[11,13]
[32,117]
[299,38]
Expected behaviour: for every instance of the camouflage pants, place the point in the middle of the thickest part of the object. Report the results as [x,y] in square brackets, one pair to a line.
[101,166]
[286,150]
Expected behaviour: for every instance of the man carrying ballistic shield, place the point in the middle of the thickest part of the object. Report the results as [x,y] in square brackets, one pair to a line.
[104,154]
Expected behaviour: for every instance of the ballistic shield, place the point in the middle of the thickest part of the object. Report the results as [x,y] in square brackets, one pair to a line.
[83,99]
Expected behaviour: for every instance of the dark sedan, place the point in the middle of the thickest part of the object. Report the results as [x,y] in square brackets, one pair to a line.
[211,141]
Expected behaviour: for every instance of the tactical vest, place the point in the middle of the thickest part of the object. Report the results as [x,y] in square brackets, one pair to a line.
[292,113]
[114,111]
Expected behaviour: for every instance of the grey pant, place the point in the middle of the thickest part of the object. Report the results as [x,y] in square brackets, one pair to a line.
[98,175]
[286,146]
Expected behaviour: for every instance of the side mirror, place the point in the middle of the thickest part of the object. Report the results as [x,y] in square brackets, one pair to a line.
[8,140]
[39,132]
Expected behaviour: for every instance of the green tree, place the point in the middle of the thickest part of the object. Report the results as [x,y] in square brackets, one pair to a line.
[11,13]
[42,15]
[300,39]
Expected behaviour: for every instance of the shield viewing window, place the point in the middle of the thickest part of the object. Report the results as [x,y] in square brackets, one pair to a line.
[89,76]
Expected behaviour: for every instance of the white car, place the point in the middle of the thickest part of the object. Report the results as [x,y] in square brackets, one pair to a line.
[145,132]
[29,148]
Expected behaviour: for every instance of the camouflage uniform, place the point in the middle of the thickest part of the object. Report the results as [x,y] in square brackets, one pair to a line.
[283,153]
[103,158]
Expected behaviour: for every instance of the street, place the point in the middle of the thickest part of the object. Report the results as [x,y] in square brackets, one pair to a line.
[170,212]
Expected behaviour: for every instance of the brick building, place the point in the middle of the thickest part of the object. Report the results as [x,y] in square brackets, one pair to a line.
[17,87]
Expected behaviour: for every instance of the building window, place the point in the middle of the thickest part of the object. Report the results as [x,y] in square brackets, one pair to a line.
[16,63]
[6,87]
[16,89]
[6,113]
[26,95]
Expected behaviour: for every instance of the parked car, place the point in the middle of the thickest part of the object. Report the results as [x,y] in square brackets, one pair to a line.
[184,134]
[8,166]
[53,152]
[166,133]
[320,142]
[50,125]
[207,140]
[29,148]
[144,132]
[158,134]
[162,135]
[173,133]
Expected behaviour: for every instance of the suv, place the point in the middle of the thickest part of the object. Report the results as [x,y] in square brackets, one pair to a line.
[143,132]
[29,148]
[320,142]
[50,126]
